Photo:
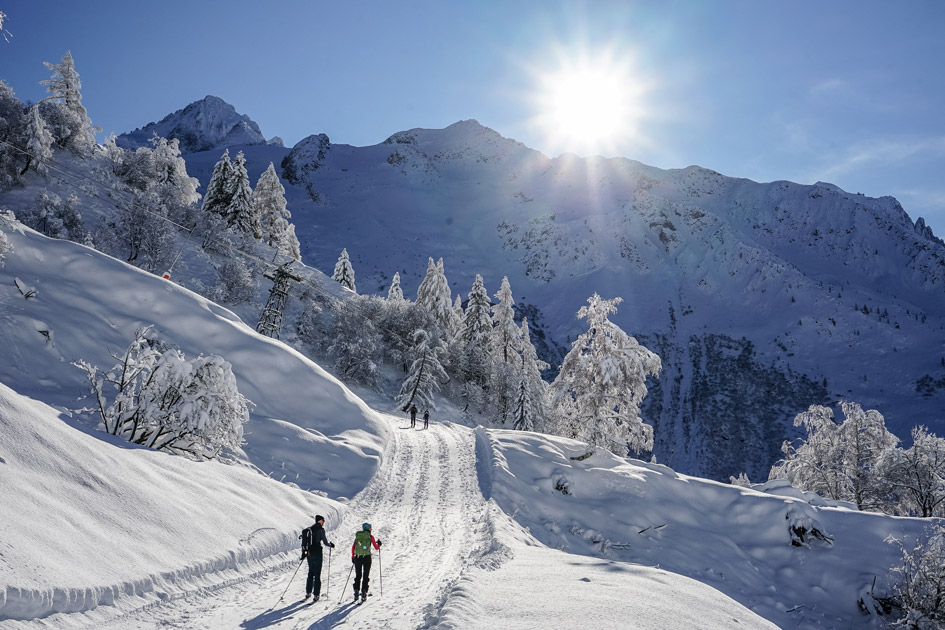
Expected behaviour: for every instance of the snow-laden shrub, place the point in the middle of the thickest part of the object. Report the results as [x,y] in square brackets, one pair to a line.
[804,528]
[156,397]
[919,582]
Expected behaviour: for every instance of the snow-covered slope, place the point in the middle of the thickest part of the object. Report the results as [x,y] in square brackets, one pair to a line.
[210,123]
[479,526]
[761,298]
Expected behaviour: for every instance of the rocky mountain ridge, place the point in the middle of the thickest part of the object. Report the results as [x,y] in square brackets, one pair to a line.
[761,298]
[210,123]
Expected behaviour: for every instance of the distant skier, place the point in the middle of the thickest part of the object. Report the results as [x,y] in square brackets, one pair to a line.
[312,539]
[361,557]
[413,417]
[426,418]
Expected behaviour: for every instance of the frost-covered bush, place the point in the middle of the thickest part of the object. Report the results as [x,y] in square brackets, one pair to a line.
[156,397]
[919,582]
[237,282]
[804,528]
[355,340]
[52,216]
[916,475]
[840,461]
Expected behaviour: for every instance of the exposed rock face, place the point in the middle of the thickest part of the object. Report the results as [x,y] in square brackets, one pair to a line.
[211,123]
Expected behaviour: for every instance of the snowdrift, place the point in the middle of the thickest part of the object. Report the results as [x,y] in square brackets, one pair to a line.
[734,539]
[88,518]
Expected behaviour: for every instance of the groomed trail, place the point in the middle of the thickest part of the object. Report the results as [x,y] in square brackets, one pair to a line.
[425,506]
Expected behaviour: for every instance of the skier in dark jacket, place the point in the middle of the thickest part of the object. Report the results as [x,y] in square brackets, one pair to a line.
[312,540]
[426,419]
[361,557]
[413,417]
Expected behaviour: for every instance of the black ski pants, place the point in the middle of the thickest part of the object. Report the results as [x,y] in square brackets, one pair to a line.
[314,582]
[362,573]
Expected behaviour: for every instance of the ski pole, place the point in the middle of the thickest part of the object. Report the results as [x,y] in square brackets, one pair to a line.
[292,578]
[380,572]
[346,584]
[328,581]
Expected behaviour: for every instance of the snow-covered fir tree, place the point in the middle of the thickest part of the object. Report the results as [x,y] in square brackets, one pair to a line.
[601,383]
[217,197]
[39,142]
[270,206]
[344,272]
[531,402]
[64,110]
[425,374]
[506,335]
[240,212]
[456,320]
[474,362]
[395,292]
[505,348]
[434,293]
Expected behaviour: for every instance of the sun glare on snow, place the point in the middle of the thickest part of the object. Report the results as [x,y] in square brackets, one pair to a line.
[587,106]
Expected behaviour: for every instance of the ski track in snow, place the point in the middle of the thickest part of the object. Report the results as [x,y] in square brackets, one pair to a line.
[424,504]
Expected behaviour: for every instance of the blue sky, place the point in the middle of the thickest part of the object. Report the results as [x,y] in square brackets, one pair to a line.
[849,92]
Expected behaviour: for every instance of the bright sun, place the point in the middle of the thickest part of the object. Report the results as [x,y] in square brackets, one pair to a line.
[588,105]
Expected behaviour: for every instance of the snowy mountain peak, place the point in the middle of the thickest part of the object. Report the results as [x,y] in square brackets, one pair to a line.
[210,123]
[466,141]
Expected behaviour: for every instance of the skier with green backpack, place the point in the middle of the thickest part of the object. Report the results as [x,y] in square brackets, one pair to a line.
[361,557]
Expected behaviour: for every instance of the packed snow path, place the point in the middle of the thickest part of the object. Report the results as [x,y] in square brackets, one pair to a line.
[424,505]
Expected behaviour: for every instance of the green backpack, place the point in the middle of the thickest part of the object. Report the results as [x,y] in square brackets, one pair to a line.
[362,543]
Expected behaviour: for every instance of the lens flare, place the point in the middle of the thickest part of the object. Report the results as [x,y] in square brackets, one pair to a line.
[587,104]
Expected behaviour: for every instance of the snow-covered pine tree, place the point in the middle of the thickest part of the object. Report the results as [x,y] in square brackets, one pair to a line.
[434,293]
[456,320]
[39,142]
[344,272]
[474,362]
[217,197]
[270,206]
[506,335]
[425,374]
[395,293]
[505,348]
[601,382]
[536,389]
[240,211]
[69,119]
